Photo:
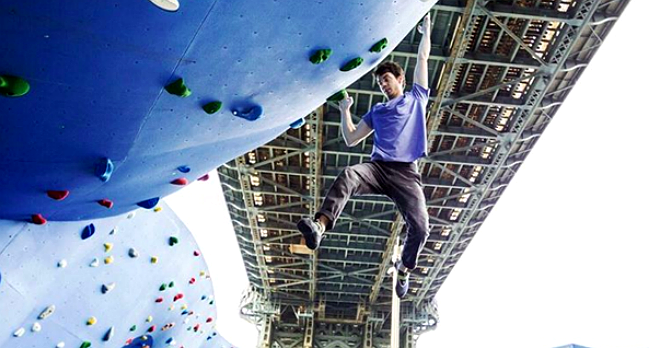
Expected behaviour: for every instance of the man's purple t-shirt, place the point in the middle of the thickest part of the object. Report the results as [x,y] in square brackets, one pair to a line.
[400,127]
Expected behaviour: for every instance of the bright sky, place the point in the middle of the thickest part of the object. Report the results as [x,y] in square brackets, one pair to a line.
[562,257]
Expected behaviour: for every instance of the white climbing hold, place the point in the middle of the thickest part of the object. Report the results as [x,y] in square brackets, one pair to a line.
[106,288]
[47,312]
[63,263]
[130,215]
[19,332]
[133,253]
[186,320]
[36,327]
[113,231]
[60,345]
[94,263]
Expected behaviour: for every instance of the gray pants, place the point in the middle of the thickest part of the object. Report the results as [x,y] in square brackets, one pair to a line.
[401,182]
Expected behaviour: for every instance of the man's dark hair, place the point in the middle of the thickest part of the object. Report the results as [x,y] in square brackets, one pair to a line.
[390,67]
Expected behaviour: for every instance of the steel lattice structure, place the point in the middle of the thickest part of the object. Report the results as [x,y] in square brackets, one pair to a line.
[500,70]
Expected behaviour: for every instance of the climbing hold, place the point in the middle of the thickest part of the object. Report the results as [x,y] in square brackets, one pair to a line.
[211,302]
[91,321]
[196,327]
[202,274]
[320,56]
[88,231]
[154,259]
[104,169]
[379,46]
[171,284]
[173,240]
[184,169]
[108,247]
[105,203]
[94,262]
[178,297]
[149,319]
[36,327]
[250,114]
[338,96]
[133,253]
[180,182]
[109,334]
[149,203]
[13,86]
[209,320]
[212,107]
[204,177]
[352,64]
[58,195]
[171,308]
[297,124]
[159,299]
[163,287]
[196,253]
[192,281]
[184,312]
[133,328]
[63,263]
[151,329]
[19,332]
[106,288]
[203,298]
[129,341]
[178,88]
[168,326]
[47,312]
[170,341]
[113,231]
[185,322]
[60,344]
[130,215]
[85,344]
[38,219]
[157,209]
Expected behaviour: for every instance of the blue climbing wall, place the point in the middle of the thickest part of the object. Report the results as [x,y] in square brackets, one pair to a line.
[97,74]
[169,301]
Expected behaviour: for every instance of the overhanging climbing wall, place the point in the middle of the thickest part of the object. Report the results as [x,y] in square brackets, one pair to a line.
[134,275]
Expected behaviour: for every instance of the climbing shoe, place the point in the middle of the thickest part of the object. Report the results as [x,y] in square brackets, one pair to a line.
[313,232]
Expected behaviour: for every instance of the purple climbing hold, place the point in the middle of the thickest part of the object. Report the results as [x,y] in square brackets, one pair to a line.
[104,169]
[204,177]
[149,203]
[88,231]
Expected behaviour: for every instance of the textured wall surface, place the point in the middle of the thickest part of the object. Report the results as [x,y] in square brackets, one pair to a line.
[97,74]
[51,265]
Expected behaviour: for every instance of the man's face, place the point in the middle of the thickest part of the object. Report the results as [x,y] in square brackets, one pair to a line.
[391,86]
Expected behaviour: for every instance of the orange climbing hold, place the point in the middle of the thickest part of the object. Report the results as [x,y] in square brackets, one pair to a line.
[180,182]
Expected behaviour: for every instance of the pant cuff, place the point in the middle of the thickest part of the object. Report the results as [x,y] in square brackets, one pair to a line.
[329,216]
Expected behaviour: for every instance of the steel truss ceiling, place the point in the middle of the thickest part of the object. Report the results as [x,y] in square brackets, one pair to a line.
[499,70]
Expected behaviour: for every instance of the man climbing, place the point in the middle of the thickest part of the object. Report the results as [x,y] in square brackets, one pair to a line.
[399,127]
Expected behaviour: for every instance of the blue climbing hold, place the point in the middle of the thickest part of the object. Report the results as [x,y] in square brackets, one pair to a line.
[297,124]
[104,169]
[184,169]
[149,203]
[88,231]
[251,114]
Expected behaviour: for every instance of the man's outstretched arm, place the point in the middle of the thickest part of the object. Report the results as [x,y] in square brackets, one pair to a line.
[351,133]
[421,69]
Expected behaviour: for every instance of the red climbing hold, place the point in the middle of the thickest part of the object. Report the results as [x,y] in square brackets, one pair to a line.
[180,182]
[105,203]
[196,327]
[178,297]
[58,195]
[38,219]
[151,329]
[129,341]
[209,320]
[159,299]
[192,281]
[196,253]
[204,177]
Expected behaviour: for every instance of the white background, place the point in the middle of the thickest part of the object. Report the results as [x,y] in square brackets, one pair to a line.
[561,259]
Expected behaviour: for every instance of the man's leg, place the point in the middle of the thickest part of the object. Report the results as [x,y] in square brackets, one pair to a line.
[359,179]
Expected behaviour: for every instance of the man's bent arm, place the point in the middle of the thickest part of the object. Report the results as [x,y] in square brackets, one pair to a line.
[351,133]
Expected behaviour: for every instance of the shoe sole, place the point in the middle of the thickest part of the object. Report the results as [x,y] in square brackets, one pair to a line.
[308,235]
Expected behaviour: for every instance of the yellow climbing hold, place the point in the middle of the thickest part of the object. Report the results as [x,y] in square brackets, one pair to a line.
[149,319]
[183,307]
[108,247]
[154,259]
[109,260]
[157,209]
[91,321]
[202,274]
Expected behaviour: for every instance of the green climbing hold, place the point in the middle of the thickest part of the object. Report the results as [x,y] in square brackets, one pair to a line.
[352,64]
[171,285]
[338,96]
[85,344]
[133,328]
[320,56]
[13,86]
[379,46]
[173,240]
[178,88]
[212,107]
[163,287]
